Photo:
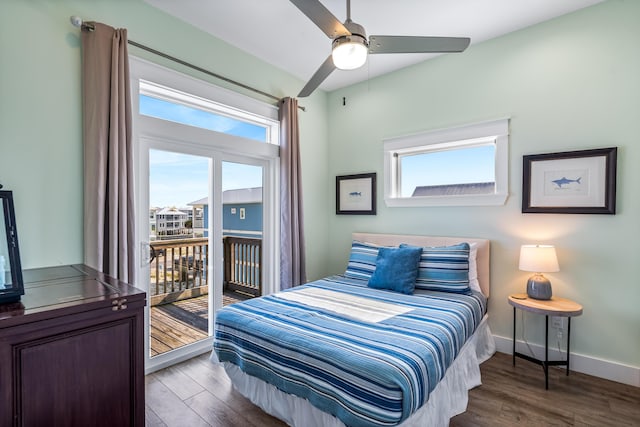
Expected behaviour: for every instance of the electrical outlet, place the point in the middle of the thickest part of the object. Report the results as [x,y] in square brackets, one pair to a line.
[557,322]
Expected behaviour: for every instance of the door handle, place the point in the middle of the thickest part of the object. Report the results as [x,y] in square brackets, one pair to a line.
[147,254]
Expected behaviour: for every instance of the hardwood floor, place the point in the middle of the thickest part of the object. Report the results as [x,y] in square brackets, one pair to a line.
[197,393]
[516,396]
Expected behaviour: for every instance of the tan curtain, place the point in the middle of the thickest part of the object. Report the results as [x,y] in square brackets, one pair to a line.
[109,216]
[292,253]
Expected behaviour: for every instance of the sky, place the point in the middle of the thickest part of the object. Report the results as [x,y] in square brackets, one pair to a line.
[154,107]
[177,179]
[461,166]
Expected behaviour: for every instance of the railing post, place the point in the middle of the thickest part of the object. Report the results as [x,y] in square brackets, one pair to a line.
[260,268]
[226,255]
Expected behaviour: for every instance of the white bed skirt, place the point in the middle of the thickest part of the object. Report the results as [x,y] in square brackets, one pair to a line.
[448,399]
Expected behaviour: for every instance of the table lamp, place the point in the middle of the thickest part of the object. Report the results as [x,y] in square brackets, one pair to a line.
[538,259]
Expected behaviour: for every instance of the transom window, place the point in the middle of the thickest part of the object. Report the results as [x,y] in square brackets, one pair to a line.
[457,166]
[169,104]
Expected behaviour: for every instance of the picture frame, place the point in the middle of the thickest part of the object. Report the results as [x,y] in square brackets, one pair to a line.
[356,194]
[571,182]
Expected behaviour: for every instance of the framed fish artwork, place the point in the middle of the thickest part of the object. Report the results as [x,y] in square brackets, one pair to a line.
[578,182]
[356,194]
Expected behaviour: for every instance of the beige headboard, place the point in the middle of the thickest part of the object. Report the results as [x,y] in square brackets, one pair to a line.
[482,257]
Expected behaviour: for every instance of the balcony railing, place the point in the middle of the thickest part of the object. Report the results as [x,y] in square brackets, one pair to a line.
[243,265]
[180,268]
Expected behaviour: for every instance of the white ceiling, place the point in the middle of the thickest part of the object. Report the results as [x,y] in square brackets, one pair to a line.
[278,33]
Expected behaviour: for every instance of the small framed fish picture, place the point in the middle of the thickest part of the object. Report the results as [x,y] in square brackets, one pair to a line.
[580,182]
[356,194]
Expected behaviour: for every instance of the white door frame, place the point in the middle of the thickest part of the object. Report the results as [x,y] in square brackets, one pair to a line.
[151,133]
[215,259]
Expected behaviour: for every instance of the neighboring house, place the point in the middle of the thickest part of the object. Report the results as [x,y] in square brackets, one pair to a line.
[170,222]
[152,221]
[241,213]
[189,212]
[174,222]
[454,189]
[200,221]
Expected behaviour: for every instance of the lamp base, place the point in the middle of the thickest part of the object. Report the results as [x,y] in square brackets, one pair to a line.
[539,287]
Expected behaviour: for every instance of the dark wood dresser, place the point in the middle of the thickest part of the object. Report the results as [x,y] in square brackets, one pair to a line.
[72,351]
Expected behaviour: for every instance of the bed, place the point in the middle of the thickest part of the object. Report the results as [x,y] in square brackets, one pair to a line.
[345,350]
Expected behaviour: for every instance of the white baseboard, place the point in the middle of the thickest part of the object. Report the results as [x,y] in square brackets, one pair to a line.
[580,363]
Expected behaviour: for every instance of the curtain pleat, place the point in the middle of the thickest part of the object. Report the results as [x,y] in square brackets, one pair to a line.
[109,215]
[292,250]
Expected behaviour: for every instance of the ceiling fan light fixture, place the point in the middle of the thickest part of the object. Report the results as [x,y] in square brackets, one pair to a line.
[350,52]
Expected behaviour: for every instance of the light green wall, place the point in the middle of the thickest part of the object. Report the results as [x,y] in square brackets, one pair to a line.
[569,84]
[40,115]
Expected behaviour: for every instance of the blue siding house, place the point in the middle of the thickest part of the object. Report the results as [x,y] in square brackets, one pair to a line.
[241,213]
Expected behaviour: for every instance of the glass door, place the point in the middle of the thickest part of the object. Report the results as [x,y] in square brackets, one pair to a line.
[177,271]
[207,241]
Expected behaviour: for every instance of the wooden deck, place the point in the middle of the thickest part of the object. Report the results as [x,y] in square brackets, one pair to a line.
[183,322]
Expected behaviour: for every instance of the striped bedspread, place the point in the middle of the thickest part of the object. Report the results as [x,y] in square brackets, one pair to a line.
[368,367]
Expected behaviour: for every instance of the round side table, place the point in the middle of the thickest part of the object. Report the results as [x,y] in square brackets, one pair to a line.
[560,307]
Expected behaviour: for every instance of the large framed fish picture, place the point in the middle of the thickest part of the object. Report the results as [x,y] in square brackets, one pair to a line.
[356,194]
[570,182]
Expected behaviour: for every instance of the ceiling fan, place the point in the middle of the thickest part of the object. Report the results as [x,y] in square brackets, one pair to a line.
[350,47]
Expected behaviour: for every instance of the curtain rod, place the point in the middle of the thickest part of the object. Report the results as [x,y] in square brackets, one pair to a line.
[76,21]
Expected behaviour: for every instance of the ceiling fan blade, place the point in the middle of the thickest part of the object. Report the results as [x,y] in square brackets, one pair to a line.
[323,72]
[321,16]
[413,44]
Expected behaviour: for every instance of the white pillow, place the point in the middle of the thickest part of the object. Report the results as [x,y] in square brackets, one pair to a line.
[473,268]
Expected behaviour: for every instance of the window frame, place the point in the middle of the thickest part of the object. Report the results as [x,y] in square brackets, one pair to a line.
[178,97]
[496,131]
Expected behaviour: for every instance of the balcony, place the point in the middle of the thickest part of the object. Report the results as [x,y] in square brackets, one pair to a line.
[180,281]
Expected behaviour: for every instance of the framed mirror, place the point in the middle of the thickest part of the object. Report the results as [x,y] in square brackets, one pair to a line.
[11,285]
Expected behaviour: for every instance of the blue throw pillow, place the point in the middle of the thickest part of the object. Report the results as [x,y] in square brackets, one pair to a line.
[444,268]
[362,260]
[396,269]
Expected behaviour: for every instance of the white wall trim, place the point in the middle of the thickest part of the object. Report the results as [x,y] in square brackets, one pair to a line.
[589,365]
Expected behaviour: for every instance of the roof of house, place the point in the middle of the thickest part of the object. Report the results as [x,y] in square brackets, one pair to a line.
[171,211]
[454,189]
[237,196]
[199,202]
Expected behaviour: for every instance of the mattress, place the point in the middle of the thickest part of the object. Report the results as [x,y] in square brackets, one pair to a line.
[364,356]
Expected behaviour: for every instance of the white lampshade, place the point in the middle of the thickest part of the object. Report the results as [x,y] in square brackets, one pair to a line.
[349,55]
[538,258]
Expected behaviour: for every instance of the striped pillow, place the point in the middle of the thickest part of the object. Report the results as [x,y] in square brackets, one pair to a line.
[362,261]
[444,268]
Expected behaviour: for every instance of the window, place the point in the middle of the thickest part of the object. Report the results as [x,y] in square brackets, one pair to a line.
[169,104]
[449,167]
